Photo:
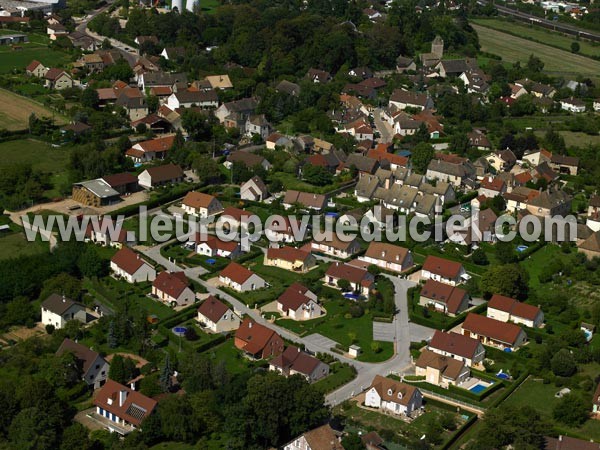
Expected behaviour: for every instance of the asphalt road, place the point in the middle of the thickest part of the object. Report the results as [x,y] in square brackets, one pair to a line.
[386,133]
[399,363]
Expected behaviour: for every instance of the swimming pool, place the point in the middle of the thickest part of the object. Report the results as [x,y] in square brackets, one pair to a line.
[478,388]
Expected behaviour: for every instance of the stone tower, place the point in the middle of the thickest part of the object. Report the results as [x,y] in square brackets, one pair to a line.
[437,47]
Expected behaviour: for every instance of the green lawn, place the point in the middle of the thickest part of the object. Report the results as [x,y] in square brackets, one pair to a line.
[12,60]
[338,376]
[541,397]
[403,432]
[557,62]
[343,329]
[536,262]
[540,35]
[14,244]
[232,358]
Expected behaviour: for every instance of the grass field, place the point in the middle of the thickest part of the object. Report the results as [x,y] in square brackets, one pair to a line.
[540,35]
[15,111]
[15,244]
[37,48]
[41,156]
[557,62]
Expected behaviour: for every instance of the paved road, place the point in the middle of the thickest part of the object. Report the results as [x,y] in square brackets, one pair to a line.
[399,363]
[129,55]
[386,133]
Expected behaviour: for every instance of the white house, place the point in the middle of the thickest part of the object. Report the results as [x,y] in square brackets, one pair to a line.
[294,361]
[200,204]
[217,316]
[128,265]
[336,247]
[388,257]
[94,367]
[393,396]
[506,309]
[443,270]
[299,303]
[573,105]
[173,289]
[57,310]
[213,246]
[322,438]
[240,279]
[254,190]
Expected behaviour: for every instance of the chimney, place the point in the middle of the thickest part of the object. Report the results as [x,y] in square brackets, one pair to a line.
[122,397]
[250,324]
[560,437]
[64,299]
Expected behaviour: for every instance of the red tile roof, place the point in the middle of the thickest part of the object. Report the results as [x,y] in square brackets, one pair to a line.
[451,296]
[493,184]
[84,354]
[513,307]
[350,273]
[128,260]
[287,253]
[171,283]
[254,336]
[294,297]
[454,343]
[295,359]
[156,145]
[33,65]
[494,329]
[197,200]
[236,273]
[237,214]
[217,244]
[212,308]
[442,267]
[134,409]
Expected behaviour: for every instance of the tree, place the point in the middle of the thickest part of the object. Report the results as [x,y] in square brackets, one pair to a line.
[479,257]
[506,253]
[344,285]
[352,441]
[571,410]
[175,413]
[117,370]
[76,437]
[563,364]
[317,175]
[422,154]
[91,264]
[165,375]
[509,279]
[575,47]
[34,428]
[206,168]
[112,336]
[196,125]
[89,98]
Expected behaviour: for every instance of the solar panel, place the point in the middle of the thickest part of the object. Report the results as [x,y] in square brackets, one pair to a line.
[136,411]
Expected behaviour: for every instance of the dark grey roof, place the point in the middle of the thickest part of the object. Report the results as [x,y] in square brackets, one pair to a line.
[59,304]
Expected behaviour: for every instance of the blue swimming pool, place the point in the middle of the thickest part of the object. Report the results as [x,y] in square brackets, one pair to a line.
[521,248]
[503,376]
[351,295]
[478,388]
[211,261]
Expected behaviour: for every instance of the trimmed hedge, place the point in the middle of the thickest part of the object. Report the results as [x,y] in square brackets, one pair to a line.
[510,390]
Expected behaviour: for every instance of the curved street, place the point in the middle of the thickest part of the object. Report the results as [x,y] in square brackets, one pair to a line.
[399,363]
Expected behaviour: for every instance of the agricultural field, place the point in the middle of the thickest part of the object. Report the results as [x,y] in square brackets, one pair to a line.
[15,111]
[36,48]
[557,62]
[534,33]
[40,155]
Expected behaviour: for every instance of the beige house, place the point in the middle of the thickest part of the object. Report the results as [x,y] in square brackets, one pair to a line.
[336,247]
[444,298]
[388,257]
[200,204]
[492,332]
[441,370]
[240,279]
[506,309]
[454,345]
[173,289]
[299,303]
[128,265]
[217,316]
[290,258]
[58,79]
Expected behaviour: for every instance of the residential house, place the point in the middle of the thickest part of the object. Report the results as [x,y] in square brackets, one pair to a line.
[188,99]
[136,107]
[564,164]
[148,80]
[590,247]
[290,258]
[217,316]
[593,213]
[254,190]
[200,204]
[336,247]
[573,105]
[108,233]
[36,69]
[444,298]
[173,53]
[304,200]
[502,160]
[289,88]
[237,218]
[94,368]
[318,76]
[549,203]
[243,108]
[257,124]
[393,396]
[537,156]
[58,79]
[405,64]
[298,303]
[388,257]
[257,341]
[441,370]
[493,332]
[173,289]
[506,309]
[54,31]
[160,175]
[492,187]
[476,81]
[219,82]
[596,402]
[569,443]
[128,265]
[457,346]
[453,172]
[452,67]
[294,361]
[364,165]
[275,140]
[402,99]
[213,246]
[57,310]
[360,280]
[249,159]
[536,89]
[124,406]
[518,198]
[151,149]
[285,229]
[240,279]
[322,438]
[443,270]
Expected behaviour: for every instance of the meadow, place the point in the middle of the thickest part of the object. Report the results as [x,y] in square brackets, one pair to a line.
[15,111]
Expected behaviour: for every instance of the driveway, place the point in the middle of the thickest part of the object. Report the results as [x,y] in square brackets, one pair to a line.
[385,332]
[386,133]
